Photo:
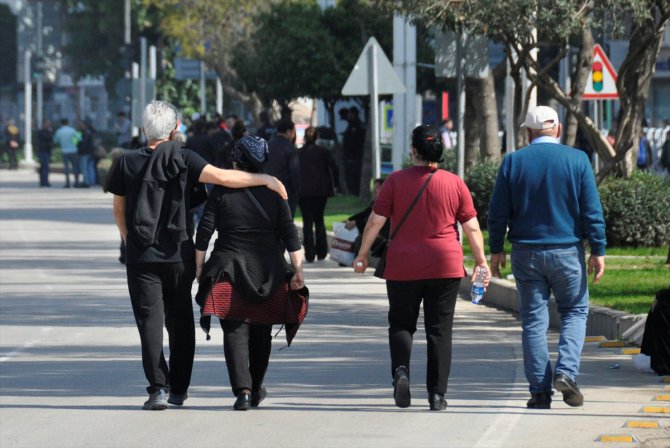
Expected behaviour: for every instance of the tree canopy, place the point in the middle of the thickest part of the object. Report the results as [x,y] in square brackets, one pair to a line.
[526,25]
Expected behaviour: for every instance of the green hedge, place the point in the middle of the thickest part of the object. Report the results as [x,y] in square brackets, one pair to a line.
[637,210]
[481,179]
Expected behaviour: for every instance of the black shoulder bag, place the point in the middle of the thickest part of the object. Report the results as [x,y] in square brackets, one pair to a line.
[381,266]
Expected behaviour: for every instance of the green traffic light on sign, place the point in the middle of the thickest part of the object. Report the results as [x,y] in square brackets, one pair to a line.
[597,76]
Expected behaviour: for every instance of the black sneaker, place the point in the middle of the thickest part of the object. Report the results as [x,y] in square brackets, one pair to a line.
[571,393]
[540,400]
[177,399]
[401,393]
[156,402]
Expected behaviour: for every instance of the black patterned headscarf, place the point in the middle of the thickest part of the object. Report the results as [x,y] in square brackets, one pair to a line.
[251,150]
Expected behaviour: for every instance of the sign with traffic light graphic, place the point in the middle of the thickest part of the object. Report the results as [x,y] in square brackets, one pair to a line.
[601,84]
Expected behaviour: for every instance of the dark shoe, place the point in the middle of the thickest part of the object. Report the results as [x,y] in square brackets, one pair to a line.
[401,393]
[177,399]
[156,402]
[437,402]
[540,400]
[243,402]
[66,186]
[571,393]
[258,396]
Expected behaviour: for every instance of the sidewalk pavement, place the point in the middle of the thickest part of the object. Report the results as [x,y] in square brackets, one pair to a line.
[71,376]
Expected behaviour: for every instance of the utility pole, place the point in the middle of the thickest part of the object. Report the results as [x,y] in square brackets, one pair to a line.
[143,73]
[28,112]
[40,59]
[461,106]
[374,112]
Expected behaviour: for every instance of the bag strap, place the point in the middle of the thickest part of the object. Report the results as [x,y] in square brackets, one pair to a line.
[416,199]
[258,206]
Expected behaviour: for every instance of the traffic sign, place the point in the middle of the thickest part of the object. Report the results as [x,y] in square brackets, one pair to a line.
[387,80]
[601,84]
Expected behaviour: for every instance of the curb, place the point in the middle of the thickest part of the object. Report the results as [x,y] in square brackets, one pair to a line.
[612,324]
[602,321]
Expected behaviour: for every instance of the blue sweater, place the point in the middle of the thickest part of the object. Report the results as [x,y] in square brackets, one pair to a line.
[546,194]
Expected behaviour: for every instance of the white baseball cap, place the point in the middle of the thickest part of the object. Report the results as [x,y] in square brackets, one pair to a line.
[542,117]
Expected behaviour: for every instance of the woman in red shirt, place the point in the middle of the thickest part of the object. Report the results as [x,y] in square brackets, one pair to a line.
[424,261]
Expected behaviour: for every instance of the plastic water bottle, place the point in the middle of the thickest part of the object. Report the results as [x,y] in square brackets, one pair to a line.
[477,291]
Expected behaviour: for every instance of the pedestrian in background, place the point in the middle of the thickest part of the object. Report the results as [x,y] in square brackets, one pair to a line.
[86,152]
[224,157]
[283,162]
[424,261]
[353,142]
[245,282]
[160,254]
[445,131]
[318,177]
[546,200]
[11,146]
[266,130]
[644,157]
[360,219]
[67,138]
[44,144]
[123,130]
[665,153]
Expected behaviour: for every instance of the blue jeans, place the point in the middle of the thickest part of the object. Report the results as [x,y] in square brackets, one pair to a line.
[87,169]
[70,160]
[539,271]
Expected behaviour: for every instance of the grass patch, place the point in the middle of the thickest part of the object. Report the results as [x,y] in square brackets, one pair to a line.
[630,287]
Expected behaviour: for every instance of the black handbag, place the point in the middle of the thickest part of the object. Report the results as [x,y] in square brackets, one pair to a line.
[381,266]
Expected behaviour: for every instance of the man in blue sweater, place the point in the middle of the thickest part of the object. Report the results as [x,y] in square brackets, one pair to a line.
[546,200]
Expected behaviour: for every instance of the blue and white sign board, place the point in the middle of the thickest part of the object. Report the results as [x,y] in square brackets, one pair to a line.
[190,69]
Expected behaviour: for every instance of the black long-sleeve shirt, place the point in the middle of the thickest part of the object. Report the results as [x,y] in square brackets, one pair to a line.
[247,249]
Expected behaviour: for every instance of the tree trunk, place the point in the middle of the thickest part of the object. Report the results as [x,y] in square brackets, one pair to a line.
[634,79]
[490,143]
[472,121]
[667,260]
[584,62]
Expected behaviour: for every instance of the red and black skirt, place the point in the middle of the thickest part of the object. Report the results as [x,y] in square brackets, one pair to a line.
[284,306]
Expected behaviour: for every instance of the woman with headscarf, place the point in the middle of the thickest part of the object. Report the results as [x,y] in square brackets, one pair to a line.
[424,260]
[245,282]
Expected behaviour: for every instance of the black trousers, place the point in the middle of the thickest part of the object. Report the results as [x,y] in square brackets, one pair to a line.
[161,294]
[247,348]
[312,209]
[439,301]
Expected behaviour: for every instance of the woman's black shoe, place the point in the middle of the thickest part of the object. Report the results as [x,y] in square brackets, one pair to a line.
[243,402]
[437,402]
[258,396]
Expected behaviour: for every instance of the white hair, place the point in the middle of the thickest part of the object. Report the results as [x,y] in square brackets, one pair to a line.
[159,119]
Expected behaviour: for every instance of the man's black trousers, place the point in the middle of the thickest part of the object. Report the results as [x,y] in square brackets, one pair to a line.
[160,293]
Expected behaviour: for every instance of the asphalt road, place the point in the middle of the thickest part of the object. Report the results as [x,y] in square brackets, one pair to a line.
[71,376]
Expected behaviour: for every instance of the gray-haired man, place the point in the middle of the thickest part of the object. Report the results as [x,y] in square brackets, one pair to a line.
[151,189]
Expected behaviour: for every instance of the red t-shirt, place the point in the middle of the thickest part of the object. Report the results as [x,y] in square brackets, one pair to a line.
[427,244]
